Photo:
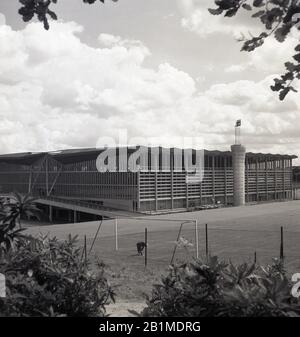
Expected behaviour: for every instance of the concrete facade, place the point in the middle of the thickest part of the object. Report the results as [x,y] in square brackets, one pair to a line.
[238,164]
[230,178]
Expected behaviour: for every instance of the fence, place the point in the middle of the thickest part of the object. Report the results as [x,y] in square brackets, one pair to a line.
[116,241]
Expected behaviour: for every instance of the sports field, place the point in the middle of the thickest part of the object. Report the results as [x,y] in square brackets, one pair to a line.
[233,233]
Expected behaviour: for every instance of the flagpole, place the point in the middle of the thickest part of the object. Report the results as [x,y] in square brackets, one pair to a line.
[237,131]
[235,135]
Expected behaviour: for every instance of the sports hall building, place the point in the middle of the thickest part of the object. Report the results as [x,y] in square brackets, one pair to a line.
[70,179]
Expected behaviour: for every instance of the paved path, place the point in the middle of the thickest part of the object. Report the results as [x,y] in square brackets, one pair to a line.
[120,308]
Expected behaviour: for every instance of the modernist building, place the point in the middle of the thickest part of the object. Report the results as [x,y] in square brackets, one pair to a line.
[230,178]
[296,182]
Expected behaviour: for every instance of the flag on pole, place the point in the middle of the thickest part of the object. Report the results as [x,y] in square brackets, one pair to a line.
[238,123]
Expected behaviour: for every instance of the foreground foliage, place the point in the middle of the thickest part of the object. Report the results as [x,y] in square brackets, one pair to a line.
[279,18]
[45,276]
[11,231]
[218,289]
[41,10]
[48,277]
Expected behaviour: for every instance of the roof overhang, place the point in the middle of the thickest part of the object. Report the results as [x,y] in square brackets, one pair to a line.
[79,155]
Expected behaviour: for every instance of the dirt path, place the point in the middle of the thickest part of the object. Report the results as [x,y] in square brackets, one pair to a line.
[121,307]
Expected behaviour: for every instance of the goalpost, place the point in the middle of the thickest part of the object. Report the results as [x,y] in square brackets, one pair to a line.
[181,221]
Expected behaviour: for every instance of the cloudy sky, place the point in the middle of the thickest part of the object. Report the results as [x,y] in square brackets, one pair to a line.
[157,68]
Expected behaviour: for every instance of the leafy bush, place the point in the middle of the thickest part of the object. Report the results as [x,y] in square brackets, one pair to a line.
[21,206]
[9,235]
[10,218]
[218,289]
[48,277]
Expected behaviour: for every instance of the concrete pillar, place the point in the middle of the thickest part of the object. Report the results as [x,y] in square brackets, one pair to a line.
[172,187]
[69,212]
[238,164]
[213,180]
[225,181]
[138,191]
[186,193]
[50,213]
[156,190]
[75,216]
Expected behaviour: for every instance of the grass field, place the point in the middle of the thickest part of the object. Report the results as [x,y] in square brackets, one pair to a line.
[233,233]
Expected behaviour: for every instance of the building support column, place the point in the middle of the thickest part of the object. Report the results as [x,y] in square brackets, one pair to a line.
[266,179]
[75,216]
[50,213]
[225,181]
[200,186]
[30,179]
[291,177]
[275,179]
[69,215]
[47,176]
[138,191]
[156,191]
[186,191]
[256,173]
[172,187]
[238,164]
[213,179]
[283,178]
[247,172]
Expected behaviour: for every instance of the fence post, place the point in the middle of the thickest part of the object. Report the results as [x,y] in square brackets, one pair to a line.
[255,257]
[281,244]
[116,235]
[206,241]
[146,247]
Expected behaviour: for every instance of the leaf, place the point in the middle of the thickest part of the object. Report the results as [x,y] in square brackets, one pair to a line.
[281,33]
[215,11]
[290,66]
[297,57]
[283,93]
[247,7]
[231,12]
[258,3]
[52,14]
[258,14]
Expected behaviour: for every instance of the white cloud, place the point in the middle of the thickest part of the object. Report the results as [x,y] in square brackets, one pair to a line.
[260,63]
[197,19]
[270,57]
[236,68]
[108,40]
[57,92]
[2,19]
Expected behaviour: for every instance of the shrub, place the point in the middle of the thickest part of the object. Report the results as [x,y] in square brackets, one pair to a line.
[10,216]
[48,277]
[215,288]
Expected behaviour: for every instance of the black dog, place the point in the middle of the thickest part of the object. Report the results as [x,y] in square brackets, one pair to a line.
[140,247]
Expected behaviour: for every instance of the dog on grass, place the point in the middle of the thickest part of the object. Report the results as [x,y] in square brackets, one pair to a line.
[140,246]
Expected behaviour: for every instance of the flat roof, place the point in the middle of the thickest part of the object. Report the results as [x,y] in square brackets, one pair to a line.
[70,156]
